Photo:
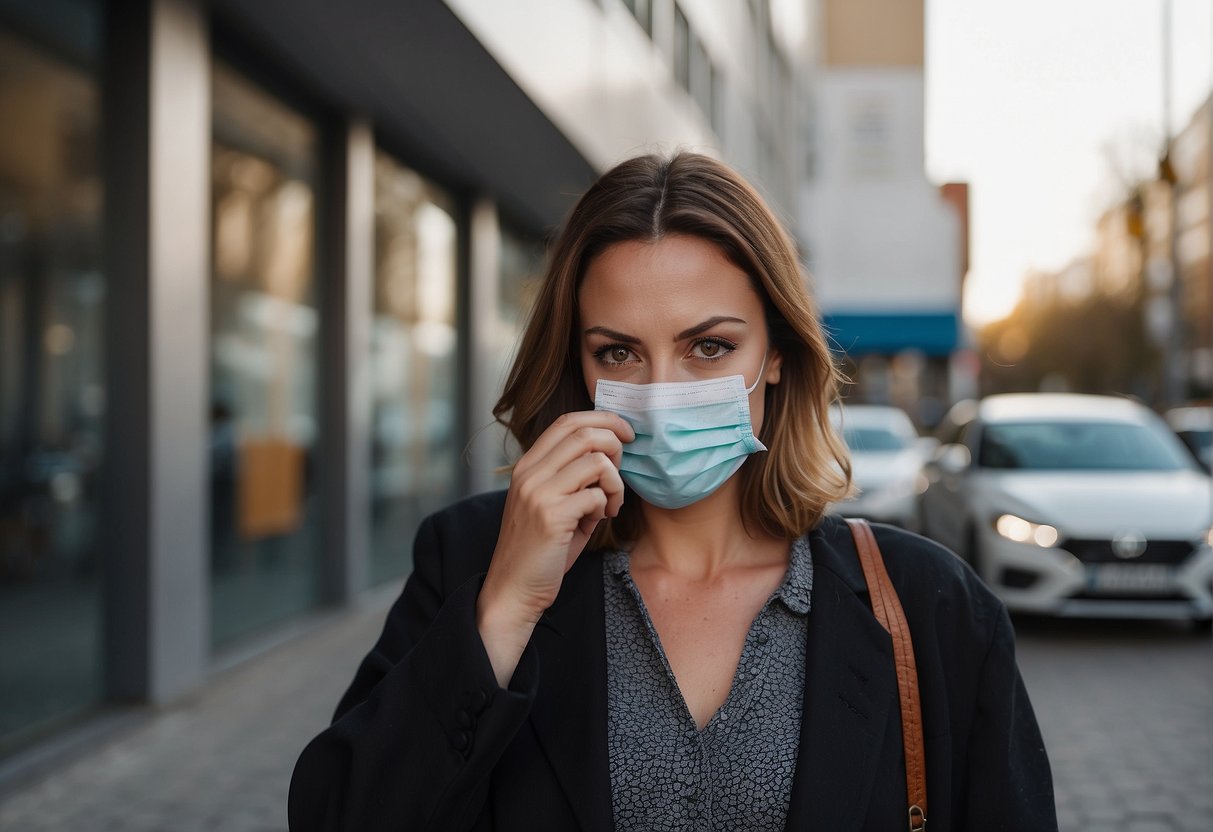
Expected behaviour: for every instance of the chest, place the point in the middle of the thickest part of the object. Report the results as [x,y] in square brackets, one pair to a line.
[702,629]
[704,732]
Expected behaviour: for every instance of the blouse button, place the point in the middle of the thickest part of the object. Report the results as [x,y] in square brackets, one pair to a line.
[763,638]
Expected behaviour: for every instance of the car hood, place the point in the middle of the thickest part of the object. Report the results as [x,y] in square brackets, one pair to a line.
[1173,505]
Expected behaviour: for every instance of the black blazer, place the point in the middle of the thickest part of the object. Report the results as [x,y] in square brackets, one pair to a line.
[425,739]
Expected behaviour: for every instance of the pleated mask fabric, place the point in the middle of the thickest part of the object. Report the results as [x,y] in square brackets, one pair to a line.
[691,436]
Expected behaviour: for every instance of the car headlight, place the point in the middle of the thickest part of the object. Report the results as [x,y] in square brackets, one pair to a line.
[1025,531]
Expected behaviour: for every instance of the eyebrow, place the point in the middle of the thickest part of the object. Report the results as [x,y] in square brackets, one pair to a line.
[705,326]
[682,336]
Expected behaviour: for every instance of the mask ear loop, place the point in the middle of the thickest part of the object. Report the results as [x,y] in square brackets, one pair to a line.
[761,370]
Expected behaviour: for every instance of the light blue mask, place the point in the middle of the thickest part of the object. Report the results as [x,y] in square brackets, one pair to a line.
[690,436]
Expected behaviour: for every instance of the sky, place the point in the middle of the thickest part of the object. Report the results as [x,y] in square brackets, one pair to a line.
[1043,106]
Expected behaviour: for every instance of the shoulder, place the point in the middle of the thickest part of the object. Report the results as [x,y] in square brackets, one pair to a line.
[457,542]
[902,551]
[936,587]
[470,514]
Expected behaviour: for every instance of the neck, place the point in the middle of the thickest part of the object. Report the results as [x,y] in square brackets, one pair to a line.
[704,539]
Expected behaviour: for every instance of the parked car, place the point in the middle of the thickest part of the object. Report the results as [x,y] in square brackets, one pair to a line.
[1194,426]
[887,456]
[1074,505]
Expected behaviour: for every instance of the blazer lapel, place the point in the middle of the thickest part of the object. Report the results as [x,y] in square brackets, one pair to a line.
[570,711]
[850,691]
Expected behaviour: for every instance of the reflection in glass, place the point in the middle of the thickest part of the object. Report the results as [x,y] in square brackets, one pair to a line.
[519,279]
[264,328]
[1081,446]
[414,452]
[52,394]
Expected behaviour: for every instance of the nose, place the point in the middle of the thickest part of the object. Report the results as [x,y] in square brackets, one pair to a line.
[663,369]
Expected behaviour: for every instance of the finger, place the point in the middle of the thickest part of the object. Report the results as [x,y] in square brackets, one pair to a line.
[611,483]
[584,471]
[591,504]
[569,423]
[587,525]
[579,443]
[606,479]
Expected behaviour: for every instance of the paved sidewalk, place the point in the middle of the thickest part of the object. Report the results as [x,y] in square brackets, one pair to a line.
[221,760]
[1126,709]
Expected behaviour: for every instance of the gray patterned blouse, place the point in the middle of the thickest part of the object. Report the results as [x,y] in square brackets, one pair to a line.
[737,772]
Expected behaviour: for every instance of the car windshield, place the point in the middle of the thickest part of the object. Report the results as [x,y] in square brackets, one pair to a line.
[1079,446]
[873,439]
[1202,438]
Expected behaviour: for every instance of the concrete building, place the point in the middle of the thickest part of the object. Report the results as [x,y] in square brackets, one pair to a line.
[1163,229]
[1192,161]
[261,267]
[886,250]
[1074,282]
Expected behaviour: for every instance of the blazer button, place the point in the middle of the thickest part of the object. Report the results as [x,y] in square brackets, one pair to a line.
[479,699]
[464,719]
[461,741]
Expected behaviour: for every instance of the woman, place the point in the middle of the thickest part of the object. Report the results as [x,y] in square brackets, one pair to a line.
[657,626]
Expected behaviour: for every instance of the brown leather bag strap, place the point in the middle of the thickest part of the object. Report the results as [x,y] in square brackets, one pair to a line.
[887,607]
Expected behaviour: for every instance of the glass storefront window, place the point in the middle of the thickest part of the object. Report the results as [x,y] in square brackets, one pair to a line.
[415,445]
[52,363]
[265,545]
[520,279]
[518,282]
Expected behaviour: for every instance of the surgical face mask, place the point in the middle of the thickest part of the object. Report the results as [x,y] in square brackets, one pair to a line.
[690,436]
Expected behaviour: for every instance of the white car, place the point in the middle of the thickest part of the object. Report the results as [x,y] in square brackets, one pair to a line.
[886,462]
[1194,425]
[1072,505]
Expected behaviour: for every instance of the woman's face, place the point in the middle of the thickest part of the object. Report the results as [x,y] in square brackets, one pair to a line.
[673,310]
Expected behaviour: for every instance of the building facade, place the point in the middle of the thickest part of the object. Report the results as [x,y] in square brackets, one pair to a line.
[1192,162]
[262,266]
[1153,249]
[887,250]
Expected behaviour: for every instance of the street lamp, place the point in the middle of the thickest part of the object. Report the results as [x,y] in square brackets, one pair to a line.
[1174,375]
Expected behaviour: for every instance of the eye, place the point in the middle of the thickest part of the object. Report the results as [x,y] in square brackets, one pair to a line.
[613,354]
[711,349]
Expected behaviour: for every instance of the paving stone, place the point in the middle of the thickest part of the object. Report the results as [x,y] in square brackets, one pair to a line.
[1150,825]
[1126,713]
[179,772]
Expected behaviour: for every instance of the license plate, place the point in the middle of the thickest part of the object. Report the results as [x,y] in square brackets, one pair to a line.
[1130,577]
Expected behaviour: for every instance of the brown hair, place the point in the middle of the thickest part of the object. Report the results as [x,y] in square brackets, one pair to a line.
[784,492]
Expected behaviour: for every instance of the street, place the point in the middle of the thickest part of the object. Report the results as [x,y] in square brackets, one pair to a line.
[1127,714]
[1126,710]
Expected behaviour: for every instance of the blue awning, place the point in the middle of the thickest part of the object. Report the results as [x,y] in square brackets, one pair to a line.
[934,333]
